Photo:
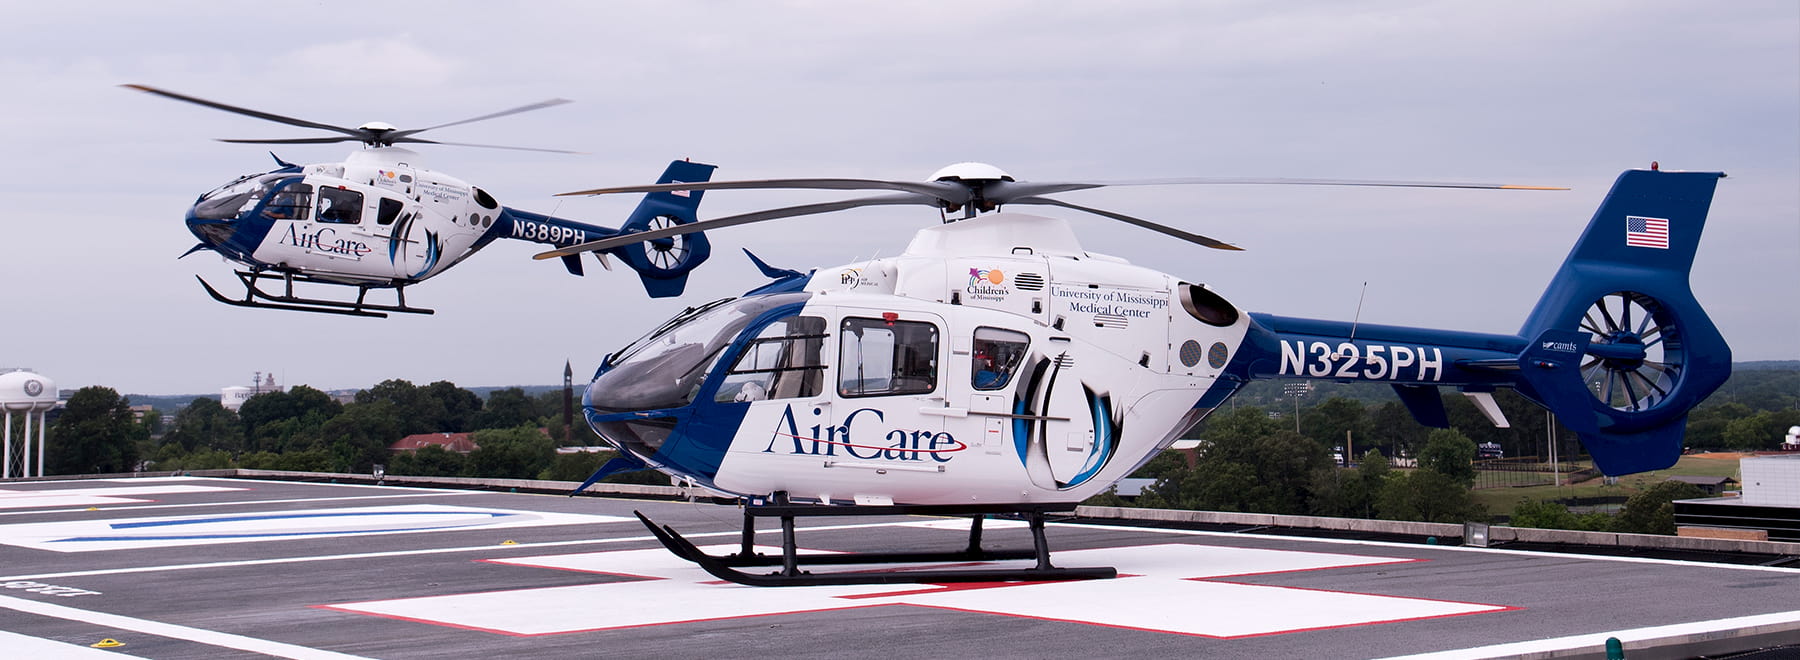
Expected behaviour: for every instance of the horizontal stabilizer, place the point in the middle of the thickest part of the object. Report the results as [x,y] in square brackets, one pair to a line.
[1426,406]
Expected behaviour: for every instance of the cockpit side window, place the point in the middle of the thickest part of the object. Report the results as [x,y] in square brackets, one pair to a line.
[387,211]
[878,357]
[784,361]
[292,202]
[340,205]
[996,356]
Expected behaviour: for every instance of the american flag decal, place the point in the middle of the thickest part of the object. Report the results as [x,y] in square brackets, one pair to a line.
[1647,232]
[1106,320]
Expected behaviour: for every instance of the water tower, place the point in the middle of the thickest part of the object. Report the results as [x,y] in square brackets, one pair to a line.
[31,395]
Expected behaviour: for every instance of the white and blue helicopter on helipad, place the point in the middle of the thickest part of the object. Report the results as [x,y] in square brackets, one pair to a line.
[998,367]
[379,221]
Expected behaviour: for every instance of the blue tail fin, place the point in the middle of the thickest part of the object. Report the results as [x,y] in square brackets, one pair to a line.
[1620,349]
[663,264]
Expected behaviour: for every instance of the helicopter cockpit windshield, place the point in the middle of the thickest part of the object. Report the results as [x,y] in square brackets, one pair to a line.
[229,200]
[666,368]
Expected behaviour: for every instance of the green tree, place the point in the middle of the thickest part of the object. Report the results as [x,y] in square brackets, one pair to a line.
[1706,424]
[461,407]
[1652,511]
[1450,453]
[96,434]
[1545,514]
[1165,463]
[517,453]
[1427,496]
[284,421]
[550,405]
[1335,420]
[1393,430]
[440,407]
[507,408]
[1248,463]
[1351,492]
[204,424]
[153,423]
[427,461]
[416,412]
[576,466]
[201,459]
[1541,514]
[1762,430]
[360,435]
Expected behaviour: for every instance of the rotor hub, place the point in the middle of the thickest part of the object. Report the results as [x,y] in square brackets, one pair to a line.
[970,172]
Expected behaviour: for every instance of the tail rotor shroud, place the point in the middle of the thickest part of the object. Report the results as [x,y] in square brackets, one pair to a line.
[1640,324]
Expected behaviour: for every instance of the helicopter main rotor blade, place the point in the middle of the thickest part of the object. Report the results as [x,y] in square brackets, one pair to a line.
[950,193]
[1162,229]
[246,111]
[317,140]
[523,108]
[1313,182]
[734,220]
[483,146]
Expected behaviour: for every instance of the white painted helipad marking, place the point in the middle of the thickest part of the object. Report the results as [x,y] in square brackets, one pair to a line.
[1166,588]
[24,646]
[659,566]
[238,503]
[170,630]
[1594,644]
[159,532]
[55,497]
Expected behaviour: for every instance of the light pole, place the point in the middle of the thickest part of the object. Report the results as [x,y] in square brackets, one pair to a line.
[1297,390]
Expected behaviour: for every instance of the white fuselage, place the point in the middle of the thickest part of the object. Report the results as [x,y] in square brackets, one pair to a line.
[1108,367]
[376,218]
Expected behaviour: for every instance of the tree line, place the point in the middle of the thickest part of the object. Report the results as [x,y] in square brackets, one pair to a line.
[305,429]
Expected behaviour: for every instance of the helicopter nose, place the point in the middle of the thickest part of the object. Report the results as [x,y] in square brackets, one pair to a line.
[212,231]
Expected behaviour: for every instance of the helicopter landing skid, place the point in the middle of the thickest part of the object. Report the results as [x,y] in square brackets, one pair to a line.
[790,560]
[256,297]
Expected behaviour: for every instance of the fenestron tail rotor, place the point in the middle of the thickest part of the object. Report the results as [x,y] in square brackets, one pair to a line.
[966,188]
[667,252]
[372,134]
[1640,377]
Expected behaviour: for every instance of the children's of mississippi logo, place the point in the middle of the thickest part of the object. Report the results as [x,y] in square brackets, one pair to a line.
[987,284]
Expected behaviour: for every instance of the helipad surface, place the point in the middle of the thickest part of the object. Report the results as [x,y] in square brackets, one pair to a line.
[217,568]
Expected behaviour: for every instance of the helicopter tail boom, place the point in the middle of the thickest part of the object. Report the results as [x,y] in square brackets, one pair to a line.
[1617,347]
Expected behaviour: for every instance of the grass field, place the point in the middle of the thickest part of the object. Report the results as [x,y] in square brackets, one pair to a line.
[1501,500]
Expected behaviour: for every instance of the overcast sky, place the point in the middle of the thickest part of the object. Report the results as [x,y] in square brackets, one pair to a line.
[94,179]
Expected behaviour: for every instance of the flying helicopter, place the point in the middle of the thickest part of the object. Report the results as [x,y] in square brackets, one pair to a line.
[998,367]
[378,220]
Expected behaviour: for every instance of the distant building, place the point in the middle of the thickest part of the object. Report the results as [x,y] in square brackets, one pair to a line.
[1130,488]
[233,397]
[1770,501]
[453,442]
[1712,486]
